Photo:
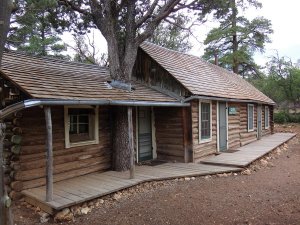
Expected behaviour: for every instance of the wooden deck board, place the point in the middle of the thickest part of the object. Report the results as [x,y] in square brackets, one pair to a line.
[251,152]
[87,187]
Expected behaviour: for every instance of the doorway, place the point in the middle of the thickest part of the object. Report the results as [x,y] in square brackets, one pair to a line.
[222,114]
[259,122]
[144,134]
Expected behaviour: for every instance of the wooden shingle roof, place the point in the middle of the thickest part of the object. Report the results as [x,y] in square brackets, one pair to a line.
[203,78]
[49,78]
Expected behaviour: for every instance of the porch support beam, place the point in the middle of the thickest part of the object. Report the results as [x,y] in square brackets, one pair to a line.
[49,155]
[130,139]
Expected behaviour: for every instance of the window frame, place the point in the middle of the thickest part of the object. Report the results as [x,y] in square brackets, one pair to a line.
[248,123]
[95,128]
[267,109]
[199,121]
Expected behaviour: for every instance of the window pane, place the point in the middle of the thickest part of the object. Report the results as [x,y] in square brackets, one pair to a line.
[205,120]
[83,118]
[250,117]
[81,125]
[83,128]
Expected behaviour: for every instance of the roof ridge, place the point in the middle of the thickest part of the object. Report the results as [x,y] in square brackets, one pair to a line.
[50,58]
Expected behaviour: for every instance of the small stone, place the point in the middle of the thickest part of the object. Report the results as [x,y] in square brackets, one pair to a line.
[64,215]
[264,162]
[235,174]
[85,210]
[101,201]
[76,210]
[207,177]
[117,196]
[246,172]
[44,217]
[187,178]
[193,178]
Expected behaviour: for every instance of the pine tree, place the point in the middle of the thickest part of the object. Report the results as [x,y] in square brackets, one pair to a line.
[36,29]
[236,39]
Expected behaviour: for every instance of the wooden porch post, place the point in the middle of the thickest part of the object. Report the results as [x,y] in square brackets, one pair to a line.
[49,155]
[130,138]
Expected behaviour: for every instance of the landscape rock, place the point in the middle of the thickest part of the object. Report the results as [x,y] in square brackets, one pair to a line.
[76,210]
[246,172]
[187,178]
[117,196]
[64,215]
[44,217]
[264,162]
[193,178]
[85,210]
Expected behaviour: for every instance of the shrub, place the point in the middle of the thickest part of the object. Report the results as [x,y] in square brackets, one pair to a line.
[281,117]
[285,117]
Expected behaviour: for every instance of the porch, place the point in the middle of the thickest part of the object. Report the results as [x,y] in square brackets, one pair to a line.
[247,154]
[84,188]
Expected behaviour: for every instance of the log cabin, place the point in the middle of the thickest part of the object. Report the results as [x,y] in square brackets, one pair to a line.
[184,108]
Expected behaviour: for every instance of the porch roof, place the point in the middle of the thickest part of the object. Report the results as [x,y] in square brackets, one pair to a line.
[49,78]
[202,78]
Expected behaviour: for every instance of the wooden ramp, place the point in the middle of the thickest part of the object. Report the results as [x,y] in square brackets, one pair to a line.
[84,188]
[251,152]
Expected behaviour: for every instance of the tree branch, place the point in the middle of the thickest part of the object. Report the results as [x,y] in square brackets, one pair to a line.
[147,15]
[73,6]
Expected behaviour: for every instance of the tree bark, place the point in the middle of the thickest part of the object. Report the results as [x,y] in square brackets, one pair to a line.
[5,12]
[121,148]
[235,66]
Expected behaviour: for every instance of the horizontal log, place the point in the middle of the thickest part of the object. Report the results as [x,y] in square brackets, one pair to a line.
[17,130]
[16,149]
[248,134]
[16,139]
[60,168]
[14,195]
[67,175]
[16,185]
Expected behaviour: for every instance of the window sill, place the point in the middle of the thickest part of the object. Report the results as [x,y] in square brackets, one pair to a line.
[205,140]
[82,143]
[250,130]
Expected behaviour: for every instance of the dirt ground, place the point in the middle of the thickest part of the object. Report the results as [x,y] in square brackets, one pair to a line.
[270,195]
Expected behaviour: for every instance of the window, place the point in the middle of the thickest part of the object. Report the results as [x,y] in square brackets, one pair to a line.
[81,126]
[250,117]
[267,117]
[204,121]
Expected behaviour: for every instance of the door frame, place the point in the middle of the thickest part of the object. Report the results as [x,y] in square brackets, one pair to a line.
[218,129]
[153,136]
[261,129]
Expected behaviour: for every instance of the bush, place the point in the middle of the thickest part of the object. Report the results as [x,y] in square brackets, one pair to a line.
[284,117]
[281,117]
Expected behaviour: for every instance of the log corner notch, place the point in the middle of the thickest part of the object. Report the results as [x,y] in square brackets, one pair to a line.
[49,155]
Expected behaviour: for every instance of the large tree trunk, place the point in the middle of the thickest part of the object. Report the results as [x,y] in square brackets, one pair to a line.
[121,148]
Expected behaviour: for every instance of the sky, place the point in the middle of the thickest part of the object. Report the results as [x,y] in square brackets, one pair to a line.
[284,16]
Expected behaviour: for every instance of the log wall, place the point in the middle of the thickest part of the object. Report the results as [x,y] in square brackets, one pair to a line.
[238,134]
[202,149]
[69,162]
[169,134]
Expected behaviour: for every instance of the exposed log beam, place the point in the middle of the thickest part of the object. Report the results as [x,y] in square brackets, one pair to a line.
[49,155]
[130,138]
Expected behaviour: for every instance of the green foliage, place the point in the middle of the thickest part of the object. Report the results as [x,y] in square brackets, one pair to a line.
[36,28]
[173,35]
[236,39]
[284,117]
